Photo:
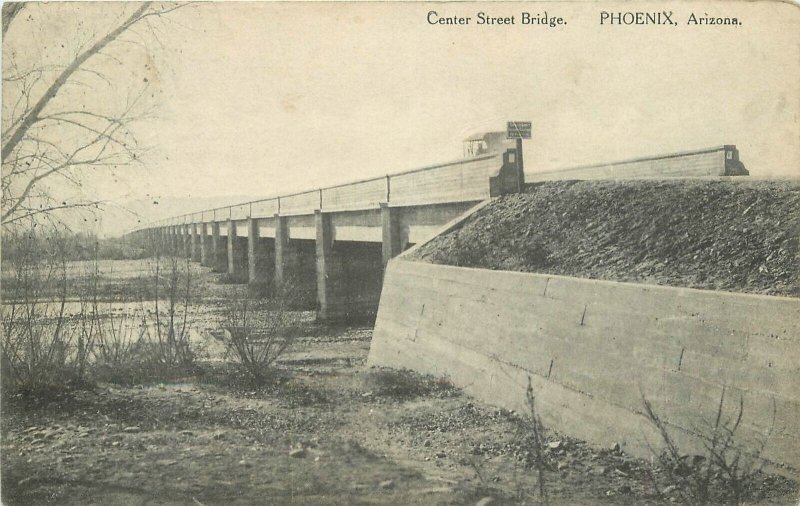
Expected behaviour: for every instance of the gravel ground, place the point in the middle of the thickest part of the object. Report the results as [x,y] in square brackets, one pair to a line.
[736,235]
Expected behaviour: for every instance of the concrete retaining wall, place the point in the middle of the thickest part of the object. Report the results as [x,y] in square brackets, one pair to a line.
[593,348]
[718,161]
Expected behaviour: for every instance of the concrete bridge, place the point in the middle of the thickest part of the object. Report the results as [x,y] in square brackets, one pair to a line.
[327,248]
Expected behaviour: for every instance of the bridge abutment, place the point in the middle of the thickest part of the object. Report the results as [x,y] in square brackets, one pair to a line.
[390,233]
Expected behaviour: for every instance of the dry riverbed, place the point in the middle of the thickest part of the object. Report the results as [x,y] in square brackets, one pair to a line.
[327,430]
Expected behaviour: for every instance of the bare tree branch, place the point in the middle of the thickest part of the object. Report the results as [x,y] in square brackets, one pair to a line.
[33,114]
[10,11]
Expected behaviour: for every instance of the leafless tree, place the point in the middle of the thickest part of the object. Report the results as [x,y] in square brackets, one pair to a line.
[50,138]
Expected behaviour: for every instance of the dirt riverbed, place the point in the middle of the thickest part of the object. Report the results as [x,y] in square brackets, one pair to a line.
[326,430]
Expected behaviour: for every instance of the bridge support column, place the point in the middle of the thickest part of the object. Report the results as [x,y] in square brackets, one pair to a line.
[295,280]
[219,253]
[174,240]
[281,253]
[165,240]
[391,244]
[194,247]
[237,254]
[329,276]
[260,258]
[187,241]
[205,255]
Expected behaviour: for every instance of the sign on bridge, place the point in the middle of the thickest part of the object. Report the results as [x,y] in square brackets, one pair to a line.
[519,130]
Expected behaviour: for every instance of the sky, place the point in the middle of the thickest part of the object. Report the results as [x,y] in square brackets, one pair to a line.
[252,99]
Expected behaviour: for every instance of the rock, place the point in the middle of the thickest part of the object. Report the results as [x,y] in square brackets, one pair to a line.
[298,453]
[554,445]
[668,490]
[562,465]
[245,463]
[486,501]
[599,470]
[441,455]
[427,443]
[625,489]
[133,429]
[616,448]
[186,433]
[386,484]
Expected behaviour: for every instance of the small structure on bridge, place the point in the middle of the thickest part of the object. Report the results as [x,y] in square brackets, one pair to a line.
[485,143]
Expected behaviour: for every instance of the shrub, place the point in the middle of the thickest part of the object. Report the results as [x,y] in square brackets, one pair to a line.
[256,337]
[726,473]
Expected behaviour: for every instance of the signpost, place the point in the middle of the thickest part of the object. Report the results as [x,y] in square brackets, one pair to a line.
[519,130]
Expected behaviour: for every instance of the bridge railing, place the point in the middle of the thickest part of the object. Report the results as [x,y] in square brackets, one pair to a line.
[458,181]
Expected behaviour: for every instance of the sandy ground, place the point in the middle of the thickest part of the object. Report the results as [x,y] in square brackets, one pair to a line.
[326,430]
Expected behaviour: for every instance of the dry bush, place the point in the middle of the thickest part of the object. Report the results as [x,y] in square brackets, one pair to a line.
[38,331]
[537,431]
[727,472]
[166,330]
[255,335]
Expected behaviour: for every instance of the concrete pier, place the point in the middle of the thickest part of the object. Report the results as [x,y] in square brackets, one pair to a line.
[236,254]
[219,252]
[260,258]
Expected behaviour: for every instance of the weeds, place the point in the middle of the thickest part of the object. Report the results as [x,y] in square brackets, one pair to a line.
[537,431]
[726,473]
[405,384]
[166,334]
[37,331]
[256,337]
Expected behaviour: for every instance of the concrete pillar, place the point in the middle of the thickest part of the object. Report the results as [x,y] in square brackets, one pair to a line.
[219,253]
[231,247]
[237,255]
[282,254]
[205,255]
[330,303]
[260,264]
[174,238]
[185,241]
[391,244]
[163,239]
[194,247]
